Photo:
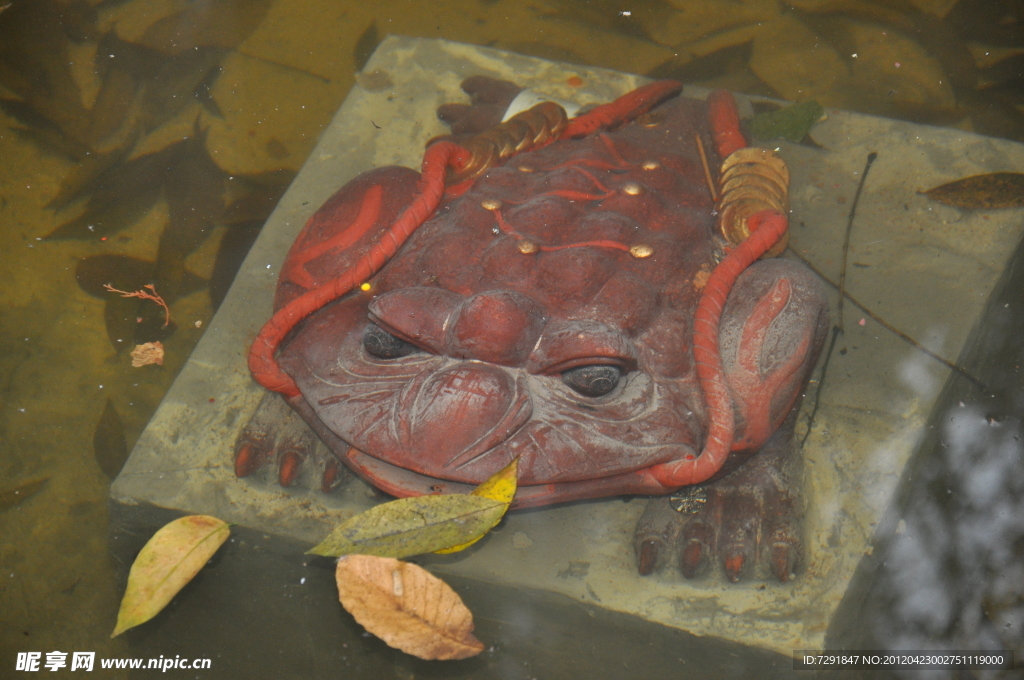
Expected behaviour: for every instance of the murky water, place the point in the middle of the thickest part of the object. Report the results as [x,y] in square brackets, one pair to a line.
[146,142]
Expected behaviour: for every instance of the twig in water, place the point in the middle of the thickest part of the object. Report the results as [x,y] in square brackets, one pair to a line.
[838,328]
[143,295]
[849,230]
[892,329]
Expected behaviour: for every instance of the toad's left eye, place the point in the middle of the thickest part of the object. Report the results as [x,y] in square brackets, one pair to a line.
[383,345]
[592,381]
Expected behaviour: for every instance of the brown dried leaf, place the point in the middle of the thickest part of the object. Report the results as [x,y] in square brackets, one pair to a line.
[995,190]
[148,353]
[406,607]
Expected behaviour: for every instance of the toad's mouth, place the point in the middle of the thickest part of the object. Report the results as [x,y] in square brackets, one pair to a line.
[403,483]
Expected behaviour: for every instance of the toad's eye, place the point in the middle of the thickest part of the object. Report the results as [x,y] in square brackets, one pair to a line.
[592,381]
[383,345]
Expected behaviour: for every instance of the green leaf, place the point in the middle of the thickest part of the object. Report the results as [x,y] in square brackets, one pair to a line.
[412,526]
[171,558]
[501,487]
[791,123]
[995,190]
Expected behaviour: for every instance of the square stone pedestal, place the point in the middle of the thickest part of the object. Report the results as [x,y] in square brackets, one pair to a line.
[925,268]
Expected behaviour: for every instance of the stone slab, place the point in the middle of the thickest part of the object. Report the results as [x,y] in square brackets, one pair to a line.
[925,268]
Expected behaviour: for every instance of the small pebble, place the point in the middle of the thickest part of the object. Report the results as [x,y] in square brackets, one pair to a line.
[521,541]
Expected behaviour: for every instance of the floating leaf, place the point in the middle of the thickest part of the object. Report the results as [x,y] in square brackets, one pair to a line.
[148,353]
[108,442]
[413,526]
[501,487]
[21,493]
[790,123]
[406,607]
[171,558]
[995,190]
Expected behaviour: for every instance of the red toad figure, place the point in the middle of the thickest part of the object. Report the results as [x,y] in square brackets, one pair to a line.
[576,305]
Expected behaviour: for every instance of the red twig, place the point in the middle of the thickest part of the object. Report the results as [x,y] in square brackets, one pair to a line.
[143,295]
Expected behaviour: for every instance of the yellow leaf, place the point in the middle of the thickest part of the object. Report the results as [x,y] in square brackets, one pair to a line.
[171,558]
[501,486]
[406,607]
[412,526]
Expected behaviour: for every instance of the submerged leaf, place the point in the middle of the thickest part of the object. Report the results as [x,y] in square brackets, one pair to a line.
[119,271]
[121,195]
[793,60]
[171,558]
[413,526]
[255,196]
[113,103]
[120,316]
[234,246]
[366,44]
[995,190]
[791,123]
[124,273]
[173,85]
[194,202]
[21,493]
[406,607]
[501,487]
[206,23]
[87,175]
[108,442]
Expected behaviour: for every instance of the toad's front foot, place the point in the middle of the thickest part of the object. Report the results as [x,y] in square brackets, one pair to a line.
[277,433]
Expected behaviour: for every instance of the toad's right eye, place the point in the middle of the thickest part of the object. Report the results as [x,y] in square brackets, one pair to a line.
[592,381]
[383,345]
